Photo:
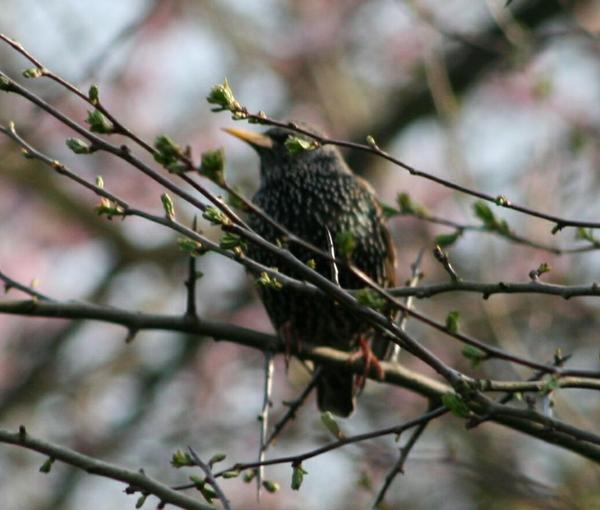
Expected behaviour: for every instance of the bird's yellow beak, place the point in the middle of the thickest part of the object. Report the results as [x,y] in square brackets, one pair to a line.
[254,139]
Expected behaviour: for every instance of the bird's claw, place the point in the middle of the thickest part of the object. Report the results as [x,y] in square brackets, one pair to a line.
[371,362]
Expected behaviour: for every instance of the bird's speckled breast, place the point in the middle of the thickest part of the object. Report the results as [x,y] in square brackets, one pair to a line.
[308,201]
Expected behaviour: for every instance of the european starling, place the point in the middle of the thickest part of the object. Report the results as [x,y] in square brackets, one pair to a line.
[315,195]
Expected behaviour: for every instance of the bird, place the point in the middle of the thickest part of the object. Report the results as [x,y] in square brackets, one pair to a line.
[315,196]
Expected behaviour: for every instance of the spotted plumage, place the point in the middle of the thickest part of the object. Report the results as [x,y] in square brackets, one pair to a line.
[311,193]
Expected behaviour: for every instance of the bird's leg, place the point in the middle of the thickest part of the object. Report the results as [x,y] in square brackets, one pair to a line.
[370,361]
[286,334]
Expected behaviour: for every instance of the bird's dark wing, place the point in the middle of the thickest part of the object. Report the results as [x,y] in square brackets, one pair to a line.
[381,346]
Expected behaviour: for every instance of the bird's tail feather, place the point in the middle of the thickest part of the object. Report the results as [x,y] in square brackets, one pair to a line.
[335,393]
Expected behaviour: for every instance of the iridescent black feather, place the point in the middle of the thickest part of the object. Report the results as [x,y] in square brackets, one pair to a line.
[310,193]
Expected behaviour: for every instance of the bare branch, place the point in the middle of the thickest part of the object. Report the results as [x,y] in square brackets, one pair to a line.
[559,222]
[293,407]
[139,481]
[263,418]
[298,459]
[398,467]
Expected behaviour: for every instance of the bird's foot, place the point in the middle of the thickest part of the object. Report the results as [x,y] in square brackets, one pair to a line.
[371,362]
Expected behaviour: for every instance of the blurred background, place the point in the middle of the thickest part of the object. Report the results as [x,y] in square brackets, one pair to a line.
[501,99]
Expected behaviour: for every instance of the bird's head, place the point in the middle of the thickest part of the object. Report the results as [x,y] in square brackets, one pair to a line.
[277,158]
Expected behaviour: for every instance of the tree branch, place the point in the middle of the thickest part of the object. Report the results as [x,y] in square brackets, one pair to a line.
[137,480]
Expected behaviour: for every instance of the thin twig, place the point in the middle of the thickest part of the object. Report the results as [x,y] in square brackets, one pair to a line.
[489,289]
[293,407]
[191,280]
[210,478]
[9,283]
[297,459]
[263,419]
[442,257]
[509,236]
[375,150]
[398,467]
[137,480]
[511,391]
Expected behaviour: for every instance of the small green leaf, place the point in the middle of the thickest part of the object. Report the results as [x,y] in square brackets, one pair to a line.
[168,206]
[109,209]
[474,354]
[212,166]
[217,457]
[345,243]
[5,84]
[94,95]
[296,145]
[141,500]
[270,486]
[177,167]
[249,475]
[371,143]
[452,321]
[33,72]
[544,267]
[444,240]
[216,216]
[222,96]
[297,476]
[191,247]
[99,182]
[78,146]
[99,123]
[456,405]
[502,227]
[388,210]
[231,474]
[47,465]
[205,489]
[552,384]
[231,242]
[585,234]
[181,459]
[311,263]
[331,424]
[484,213]
[168,153]
[407,206]
[368,297]
[266,280]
